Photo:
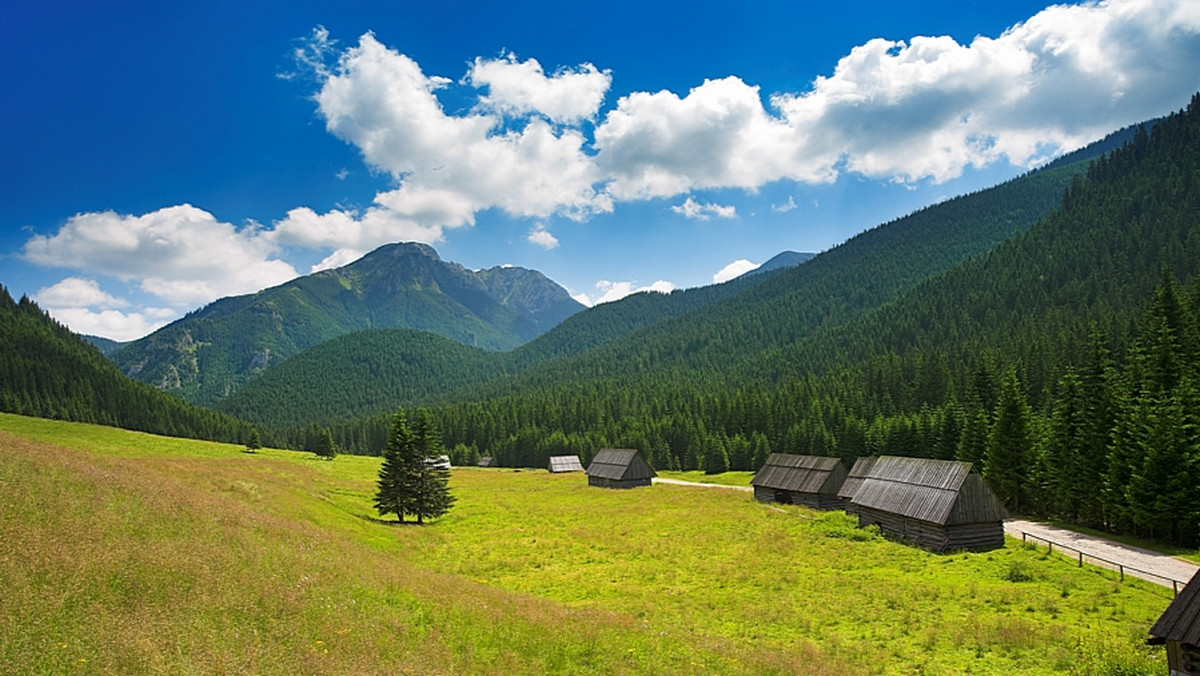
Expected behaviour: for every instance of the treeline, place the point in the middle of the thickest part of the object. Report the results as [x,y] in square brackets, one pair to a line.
[49,372]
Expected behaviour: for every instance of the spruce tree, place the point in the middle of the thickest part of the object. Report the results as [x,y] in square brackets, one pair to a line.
[1010,448]
[399,473]
[432,496]
[253,443]
[324,446]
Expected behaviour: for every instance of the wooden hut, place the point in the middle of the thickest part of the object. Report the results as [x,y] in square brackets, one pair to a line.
[1178,628]
[939,505]
[488,461]
[808,480]
[564,463]
[619,468]
[860,470]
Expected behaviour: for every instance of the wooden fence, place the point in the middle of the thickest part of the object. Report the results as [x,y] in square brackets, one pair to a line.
[1112,565]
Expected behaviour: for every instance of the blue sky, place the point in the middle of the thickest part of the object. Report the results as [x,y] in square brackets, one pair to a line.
[158,156]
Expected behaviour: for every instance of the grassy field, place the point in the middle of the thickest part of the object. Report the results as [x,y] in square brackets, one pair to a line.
[128,553]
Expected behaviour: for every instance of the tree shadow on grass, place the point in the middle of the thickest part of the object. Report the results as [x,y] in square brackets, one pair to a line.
[387,522]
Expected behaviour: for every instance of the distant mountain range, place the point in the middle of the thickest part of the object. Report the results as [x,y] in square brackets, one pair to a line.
[210,353]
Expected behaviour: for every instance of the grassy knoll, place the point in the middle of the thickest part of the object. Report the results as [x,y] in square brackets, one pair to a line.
[124,553]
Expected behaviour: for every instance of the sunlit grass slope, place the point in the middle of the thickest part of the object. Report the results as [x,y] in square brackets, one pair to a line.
[128,553]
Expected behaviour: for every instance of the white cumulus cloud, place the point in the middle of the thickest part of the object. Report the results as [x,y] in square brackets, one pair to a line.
[734,270]
[449,167]
[787,206]
[569,96]
[542,237]
[702,212]
[610,291]
[181,254]
[85,308]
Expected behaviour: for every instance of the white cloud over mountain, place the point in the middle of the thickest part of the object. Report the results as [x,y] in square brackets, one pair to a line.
[82,305]
[181,254]
[734,270]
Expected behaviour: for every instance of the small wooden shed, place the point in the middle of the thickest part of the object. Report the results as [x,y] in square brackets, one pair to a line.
[564,463]
[860,470]
[488,461]
[1178,628]
[619,468]
[939,505]
[809,480]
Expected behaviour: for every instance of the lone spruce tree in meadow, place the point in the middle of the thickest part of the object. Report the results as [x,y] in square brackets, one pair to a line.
[253,443]
[433,497]
[410,479]
[324,446]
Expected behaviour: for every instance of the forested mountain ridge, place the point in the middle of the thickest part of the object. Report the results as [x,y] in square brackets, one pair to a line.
[708,332]
[361,373]
[49,372]
[834,287]
[213,351]
[328,382]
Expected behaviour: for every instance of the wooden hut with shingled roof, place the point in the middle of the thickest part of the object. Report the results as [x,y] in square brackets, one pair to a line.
[809,480]
[564,463]
[860,470]
[619,468]
[939,505]
[1178,628]
[488,461]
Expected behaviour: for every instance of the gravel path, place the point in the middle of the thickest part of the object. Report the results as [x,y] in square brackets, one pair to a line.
[1152,566]
[680,482]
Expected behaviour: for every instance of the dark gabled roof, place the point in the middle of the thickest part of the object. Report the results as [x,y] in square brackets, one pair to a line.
[943,492]
[487,461]
[801,474]
[619,464]
[860,470]
[565,463]
[1181,620]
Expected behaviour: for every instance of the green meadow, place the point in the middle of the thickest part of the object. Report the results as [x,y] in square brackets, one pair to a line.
[129,553]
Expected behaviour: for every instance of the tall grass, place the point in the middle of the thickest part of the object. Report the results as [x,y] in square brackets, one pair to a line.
[124,553]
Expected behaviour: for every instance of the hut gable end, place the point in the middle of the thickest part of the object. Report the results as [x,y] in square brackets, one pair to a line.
[619,468]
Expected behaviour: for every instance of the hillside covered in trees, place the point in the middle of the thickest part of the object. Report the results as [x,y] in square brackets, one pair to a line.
[49,372]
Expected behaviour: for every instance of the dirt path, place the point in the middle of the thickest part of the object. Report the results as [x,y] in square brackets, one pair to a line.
[1152,566]
[680,482]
